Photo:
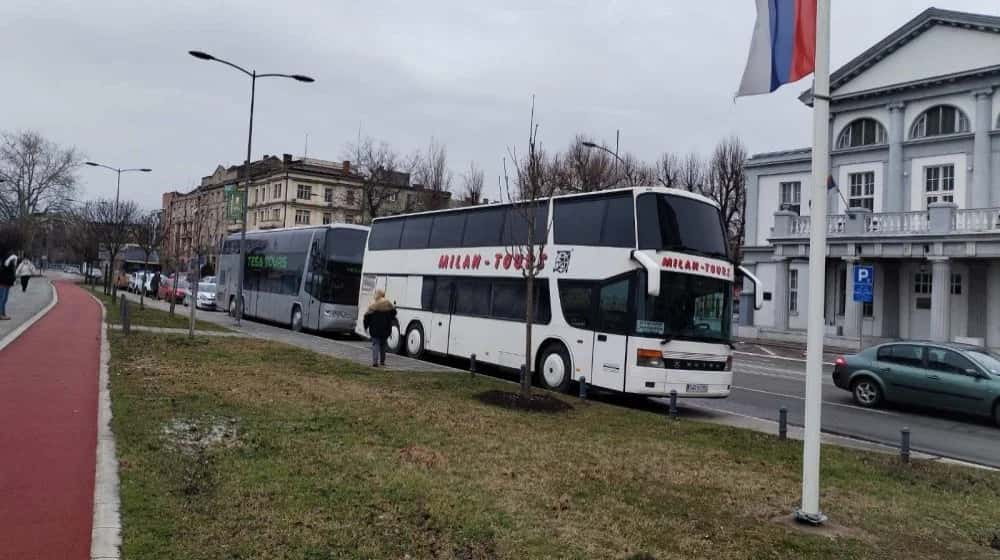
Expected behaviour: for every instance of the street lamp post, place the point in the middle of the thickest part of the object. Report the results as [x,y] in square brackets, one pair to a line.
[246,188]
[613,154]
[118,189]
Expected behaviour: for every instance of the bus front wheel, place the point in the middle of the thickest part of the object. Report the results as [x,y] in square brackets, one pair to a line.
[415,341]
[296,319]
[554,368]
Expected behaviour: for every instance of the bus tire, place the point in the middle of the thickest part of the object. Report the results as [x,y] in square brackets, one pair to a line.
[296,319]
[414,342]
[394,343]
[232,306]
[555,368]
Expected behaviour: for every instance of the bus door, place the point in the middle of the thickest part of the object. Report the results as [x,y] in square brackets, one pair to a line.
[610,340]
[315,283]
[439,329]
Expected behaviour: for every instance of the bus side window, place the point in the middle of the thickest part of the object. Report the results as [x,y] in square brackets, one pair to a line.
[427,293]
[543,310]
[613,306]
[442,296]
[577,303]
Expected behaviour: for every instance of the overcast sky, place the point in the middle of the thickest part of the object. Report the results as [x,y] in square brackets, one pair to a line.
[114,79]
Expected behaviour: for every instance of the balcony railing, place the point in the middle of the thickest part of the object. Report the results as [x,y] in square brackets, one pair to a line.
[940,219]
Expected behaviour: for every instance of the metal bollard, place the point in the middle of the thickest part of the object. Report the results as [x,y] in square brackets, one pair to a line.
[126,321]
[782,423]
[673,404]
[583,387]
[904,447]
[524,370]
[472,365]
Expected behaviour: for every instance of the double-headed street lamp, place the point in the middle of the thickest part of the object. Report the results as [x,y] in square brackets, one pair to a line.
[246,189]
[119,172]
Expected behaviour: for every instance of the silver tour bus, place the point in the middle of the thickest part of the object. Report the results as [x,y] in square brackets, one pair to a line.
[304,277]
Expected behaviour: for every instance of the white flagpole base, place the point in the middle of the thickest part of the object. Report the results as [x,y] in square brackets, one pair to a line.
[814,519]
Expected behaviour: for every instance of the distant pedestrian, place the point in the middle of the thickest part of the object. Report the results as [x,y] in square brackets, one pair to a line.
[8,269]
[378,322]
[154,285]
[25,271]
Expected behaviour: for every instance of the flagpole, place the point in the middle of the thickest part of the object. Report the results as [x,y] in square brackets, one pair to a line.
[809,511]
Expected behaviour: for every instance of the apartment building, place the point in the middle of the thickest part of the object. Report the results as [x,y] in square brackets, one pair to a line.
[284,192]
[915,154]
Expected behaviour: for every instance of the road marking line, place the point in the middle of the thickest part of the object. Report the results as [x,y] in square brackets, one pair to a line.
[842,405]
[777,357]
[764,348]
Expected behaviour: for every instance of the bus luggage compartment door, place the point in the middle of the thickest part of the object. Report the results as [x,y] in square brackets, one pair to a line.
[609,361]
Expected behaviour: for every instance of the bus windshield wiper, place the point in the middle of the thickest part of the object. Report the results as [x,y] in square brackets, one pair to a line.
[667,340]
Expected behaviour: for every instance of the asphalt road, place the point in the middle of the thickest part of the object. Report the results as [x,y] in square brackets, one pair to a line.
[765,379]
[764,383]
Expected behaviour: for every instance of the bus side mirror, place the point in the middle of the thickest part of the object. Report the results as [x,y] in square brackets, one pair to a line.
[652,272]
[758,291]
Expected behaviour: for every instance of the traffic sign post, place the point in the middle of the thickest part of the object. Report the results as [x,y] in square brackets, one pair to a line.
[864,286]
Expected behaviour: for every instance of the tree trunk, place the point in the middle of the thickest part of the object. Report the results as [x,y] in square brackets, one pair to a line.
[193,293]
[529,316]
[142,290]
[173,293]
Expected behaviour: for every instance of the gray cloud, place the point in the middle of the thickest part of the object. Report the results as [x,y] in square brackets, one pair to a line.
[113,78]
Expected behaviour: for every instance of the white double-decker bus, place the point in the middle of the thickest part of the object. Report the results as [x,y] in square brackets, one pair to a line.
[635,293]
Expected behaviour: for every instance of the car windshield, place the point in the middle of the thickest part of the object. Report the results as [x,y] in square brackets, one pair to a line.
[988,360]
[689,307]
[206,287]
[678,223]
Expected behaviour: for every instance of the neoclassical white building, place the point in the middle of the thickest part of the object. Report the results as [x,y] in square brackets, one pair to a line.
[915,137]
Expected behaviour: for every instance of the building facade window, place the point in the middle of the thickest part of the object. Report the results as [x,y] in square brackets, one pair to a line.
[327,218]
[939,184]
[790,196]
[862,132]
[922,286]
[349,197]
[301,217]
[867,309]
[394,196]
[862,190]
[956,284]
[793,291]
[304,192]
[328,195]
[349,220]
[939,120]
[276,191]
[275,214]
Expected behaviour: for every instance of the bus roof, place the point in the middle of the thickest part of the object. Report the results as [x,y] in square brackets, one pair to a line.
[663,190]
[299,228]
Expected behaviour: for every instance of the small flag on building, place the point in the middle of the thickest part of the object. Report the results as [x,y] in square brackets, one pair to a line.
[783,48]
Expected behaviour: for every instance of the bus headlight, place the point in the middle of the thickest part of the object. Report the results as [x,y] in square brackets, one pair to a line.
[646,357]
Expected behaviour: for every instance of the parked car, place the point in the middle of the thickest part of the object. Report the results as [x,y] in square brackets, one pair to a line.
[136,280]
[205,298]
[167,291]
[945,376]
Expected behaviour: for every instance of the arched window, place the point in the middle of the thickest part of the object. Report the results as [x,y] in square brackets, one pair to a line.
[938,120]
[862,132]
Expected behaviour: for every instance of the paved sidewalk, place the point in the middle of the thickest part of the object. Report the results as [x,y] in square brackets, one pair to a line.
[22,306]
[48,431]
[358,351]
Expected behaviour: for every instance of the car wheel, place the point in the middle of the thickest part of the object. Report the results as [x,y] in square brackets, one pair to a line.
[554,368]
[415,341]
[867,392]
[394,343]
[296,319]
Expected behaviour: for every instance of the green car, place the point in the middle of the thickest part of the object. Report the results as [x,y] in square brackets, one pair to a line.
[945,376]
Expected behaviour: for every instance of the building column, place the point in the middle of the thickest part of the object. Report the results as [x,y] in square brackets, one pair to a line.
[981,151]
[940,299]
[894,194]
[852,309]
[993,304]
[905,298]
[780,294]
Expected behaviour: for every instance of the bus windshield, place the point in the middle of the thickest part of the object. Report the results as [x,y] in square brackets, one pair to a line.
[345,250]
[689,307]
[677,223]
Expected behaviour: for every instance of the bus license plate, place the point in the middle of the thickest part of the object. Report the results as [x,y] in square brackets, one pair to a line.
[697,388]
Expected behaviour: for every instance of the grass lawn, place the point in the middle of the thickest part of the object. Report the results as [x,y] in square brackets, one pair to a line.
[241,448]
[150,317]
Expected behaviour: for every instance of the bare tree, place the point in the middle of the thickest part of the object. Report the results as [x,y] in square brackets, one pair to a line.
[633,172]
[432,168]
[692,172]
[382,172]
[473,181]
[38,177]
[527,234]
[149,233]
[583,168]
[726,184]
[204,231]
[113,223]
[668,170]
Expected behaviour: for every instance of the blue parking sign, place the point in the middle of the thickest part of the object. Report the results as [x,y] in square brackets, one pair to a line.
[864,282]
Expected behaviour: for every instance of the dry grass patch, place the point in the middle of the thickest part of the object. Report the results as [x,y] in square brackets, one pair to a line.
[336,460]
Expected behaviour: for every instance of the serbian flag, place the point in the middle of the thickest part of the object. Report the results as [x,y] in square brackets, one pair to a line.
[783,48]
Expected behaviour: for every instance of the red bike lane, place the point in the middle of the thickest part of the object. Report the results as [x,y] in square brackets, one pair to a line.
[48,431]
